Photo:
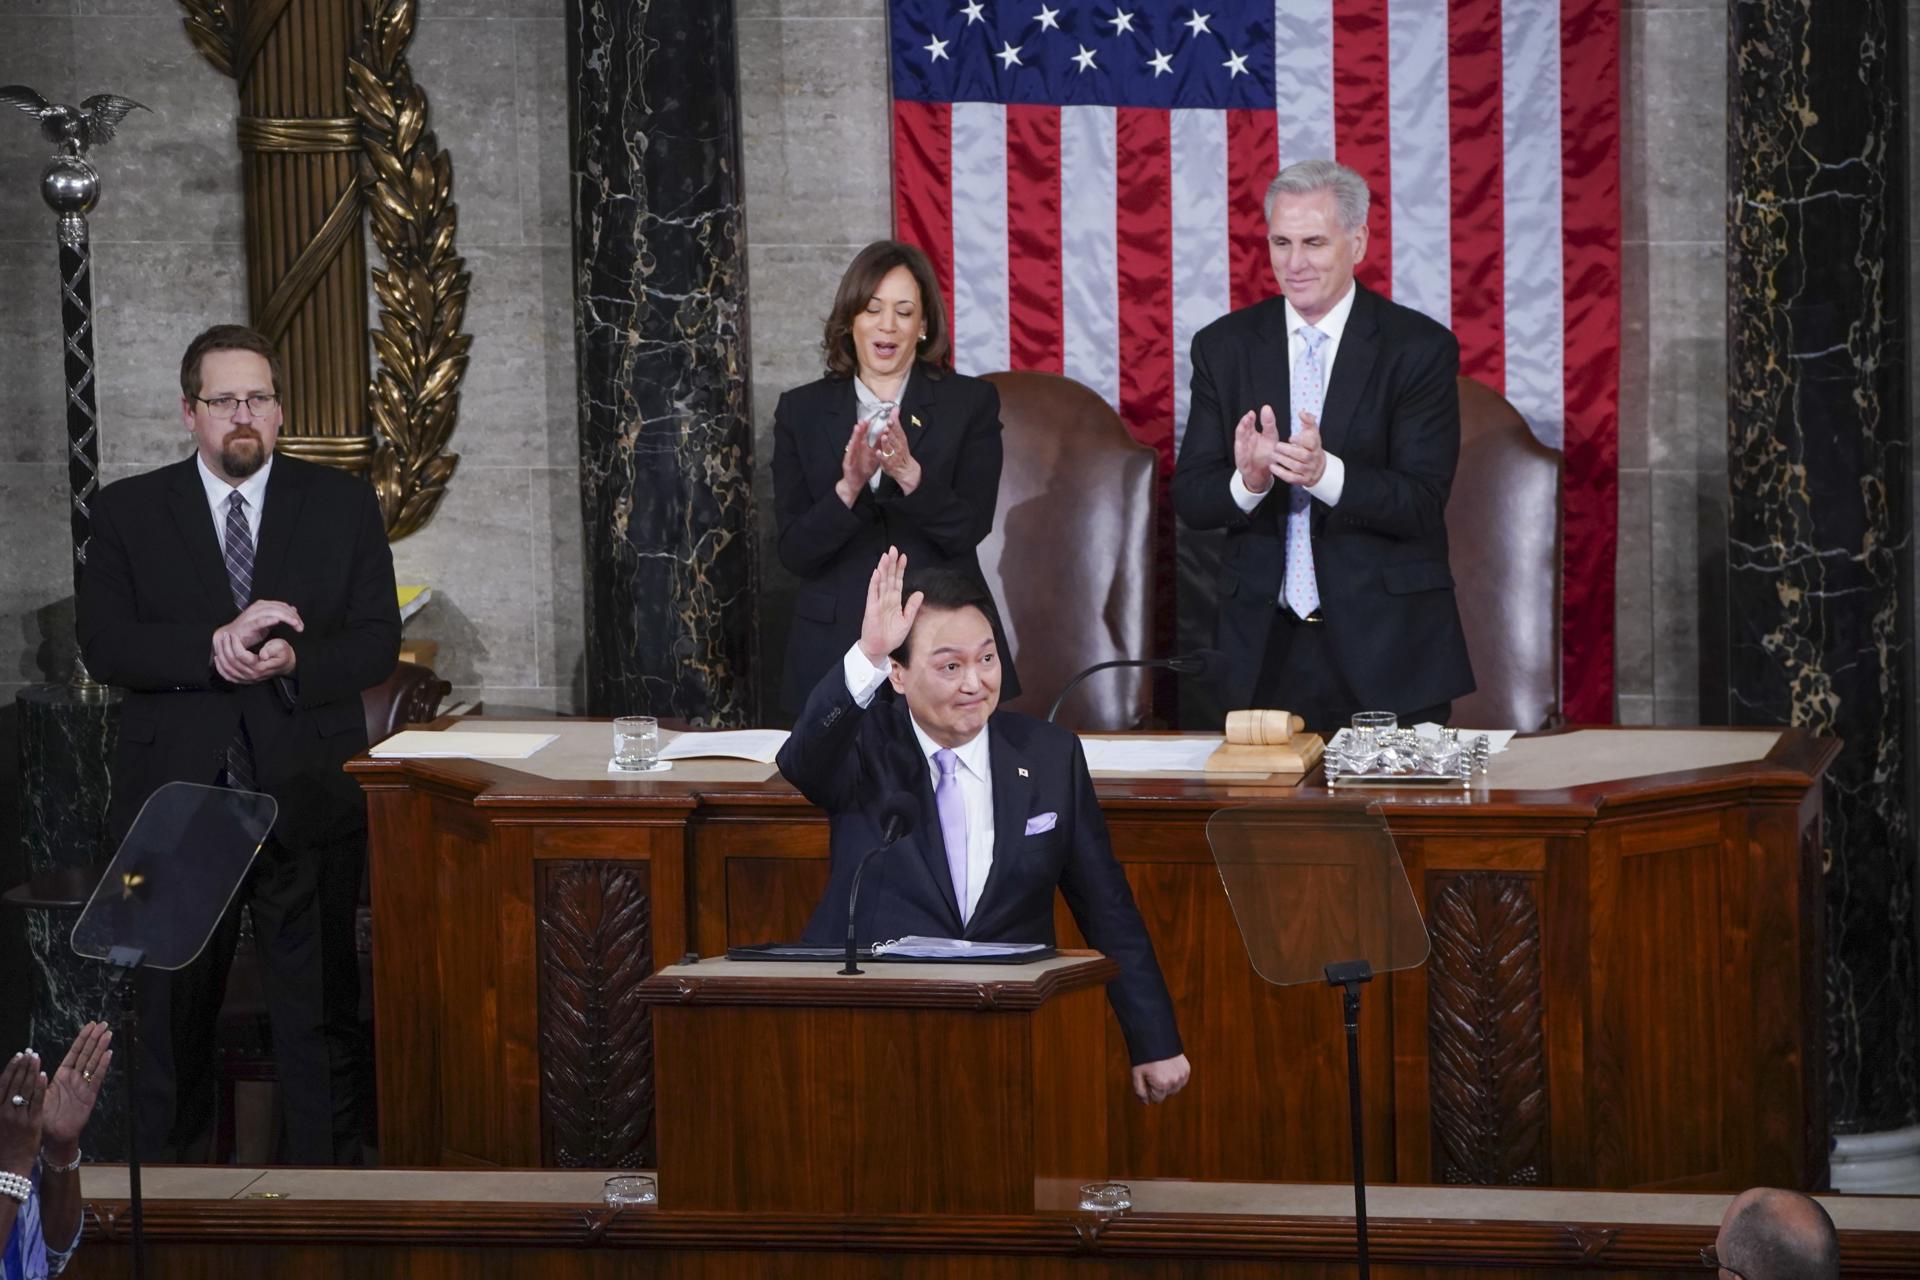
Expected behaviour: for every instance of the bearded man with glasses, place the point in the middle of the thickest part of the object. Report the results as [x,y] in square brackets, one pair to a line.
[244,601]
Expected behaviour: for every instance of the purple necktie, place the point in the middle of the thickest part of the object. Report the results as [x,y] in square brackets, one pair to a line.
[953,823]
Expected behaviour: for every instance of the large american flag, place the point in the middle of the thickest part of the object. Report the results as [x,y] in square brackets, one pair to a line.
[1088,180]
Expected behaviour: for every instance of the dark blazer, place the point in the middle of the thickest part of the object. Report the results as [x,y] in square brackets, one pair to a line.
[154,591]
[1392,415]
[846,759]
[832,548]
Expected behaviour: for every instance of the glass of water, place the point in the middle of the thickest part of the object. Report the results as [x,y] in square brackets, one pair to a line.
[631,1189]
[636,743]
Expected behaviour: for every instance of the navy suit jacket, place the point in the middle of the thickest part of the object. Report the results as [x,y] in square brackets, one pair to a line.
[1392,416]
[832,547]
[845,759]
[155,589]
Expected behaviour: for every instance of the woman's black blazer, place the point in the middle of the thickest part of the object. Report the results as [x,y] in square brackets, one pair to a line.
[953,427]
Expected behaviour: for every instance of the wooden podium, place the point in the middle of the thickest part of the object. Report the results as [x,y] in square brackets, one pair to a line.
[785,1087]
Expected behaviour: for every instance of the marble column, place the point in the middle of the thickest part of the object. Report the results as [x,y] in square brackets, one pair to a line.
[1819,558]
[67,738]
[666,436]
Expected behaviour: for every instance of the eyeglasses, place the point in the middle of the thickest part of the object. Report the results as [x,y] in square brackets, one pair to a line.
[1711,1256]
[224,406]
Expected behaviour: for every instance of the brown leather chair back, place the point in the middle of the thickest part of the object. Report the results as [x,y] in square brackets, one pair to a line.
[1070,556]
[411,695]
[1503,531]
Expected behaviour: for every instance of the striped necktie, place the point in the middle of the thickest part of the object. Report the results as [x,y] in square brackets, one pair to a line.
[239,557]
[1301,590]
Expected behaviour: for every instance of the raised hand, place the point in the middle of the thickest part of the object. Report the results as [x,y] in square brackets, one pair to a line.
[23,1091]
[857,465]
[74,1089]
[896,455]
[1301,460]
[887,621]
[1254,441]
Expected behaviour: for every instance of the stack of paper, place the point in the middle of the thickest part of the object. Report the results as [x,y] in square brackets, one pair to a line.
[917,947]
[738,744]
[427,744]
[1149,755]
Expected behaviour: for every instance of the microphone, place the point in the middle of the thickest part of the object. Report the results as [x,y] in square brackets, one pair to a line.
[898,812]
[1203,663]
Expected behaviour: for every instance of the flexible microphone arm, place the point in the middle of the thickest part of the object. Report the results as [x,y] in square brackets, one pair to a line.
[896,819]
[1197,663]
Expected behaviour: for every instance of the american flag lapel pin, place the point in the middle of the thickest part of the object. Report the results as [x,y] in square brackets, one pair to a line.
[1023,772]
[914,418]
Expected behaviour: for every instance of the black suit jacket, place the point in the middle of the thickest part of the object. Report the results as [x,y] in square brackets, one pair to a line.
[1392,415]
[846,759]
[152,594]
[832,548]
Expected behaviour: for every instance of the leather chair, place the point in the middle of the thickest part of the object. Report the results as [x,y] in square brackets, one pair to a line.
[1070,557]
[1503,530]
[243,1042]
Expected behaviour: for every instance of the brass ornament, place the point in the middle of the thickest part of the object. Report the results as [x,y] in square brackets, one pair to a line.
[415,397]
[210,27]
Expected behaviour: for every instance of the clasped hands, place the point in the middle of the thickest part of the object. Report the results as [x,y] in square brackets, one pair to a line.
[238,654]
[1260,455]
[890,453]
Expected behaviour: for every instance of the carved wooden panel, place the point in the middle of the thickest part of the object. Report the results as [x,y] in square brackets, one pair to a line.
[1488,1073]
[596,1039]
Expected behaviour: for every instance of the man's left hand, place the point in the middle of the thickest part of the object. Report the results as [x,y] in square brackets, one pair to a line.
[277,658]
[1301,460]
[1158,1081]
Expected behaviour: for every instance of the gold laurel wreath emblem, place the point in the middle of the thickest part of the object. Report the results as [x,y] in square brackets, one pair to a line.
[414,399]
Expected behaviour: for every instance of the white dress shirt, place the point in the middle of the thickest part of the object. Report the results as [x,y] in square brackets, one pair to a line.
[253,492]
[864,397]
[974,774]
[1334,479]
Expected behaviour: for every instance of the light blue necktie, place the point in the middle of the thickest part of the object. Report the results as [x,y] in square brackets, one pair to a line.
[1301,590]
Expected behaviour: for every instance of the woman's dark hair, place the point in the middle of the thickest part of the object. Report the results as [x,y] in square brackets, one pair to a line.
[945,590]
[863,276]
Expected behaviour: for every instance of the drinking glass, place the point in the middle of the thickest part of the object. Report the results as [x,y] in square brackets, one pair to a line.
[636,743]
[631,1189]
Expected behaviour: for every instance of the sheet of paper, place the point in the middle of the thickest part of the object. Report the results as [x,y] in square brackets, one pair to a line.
[427,744]
[1149,755]
[948,948]
[1497,739]
[733,744]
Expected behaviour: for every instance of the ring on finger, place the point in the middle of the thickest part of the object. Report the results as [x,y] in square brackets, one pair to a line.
[18,1100]
[886,453]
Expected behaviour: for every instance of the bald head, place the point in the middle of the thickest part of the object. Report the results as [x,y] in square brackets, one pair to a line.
[1778,1235]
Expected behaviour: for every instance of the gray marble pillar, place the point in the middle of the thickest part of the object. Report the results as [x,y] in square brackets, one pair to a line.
[666,437]
[1820,531]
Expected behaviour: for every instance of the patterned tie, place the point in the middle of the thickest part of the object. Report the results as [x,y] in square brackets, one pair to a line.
[953,823]
[1301,590]
[239,557]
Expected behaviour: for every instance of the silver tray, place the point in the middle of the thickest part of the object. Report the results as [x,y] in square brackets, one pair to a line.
[1469,766]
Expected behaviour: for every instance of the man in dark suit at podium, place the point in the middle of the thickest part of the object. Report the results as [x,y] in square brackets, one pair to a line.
[1006,809]
[244,599]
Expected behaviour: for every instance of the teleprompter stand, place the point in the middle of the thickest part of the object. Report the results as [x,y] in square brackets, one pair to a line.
[1322,898]
[174,876]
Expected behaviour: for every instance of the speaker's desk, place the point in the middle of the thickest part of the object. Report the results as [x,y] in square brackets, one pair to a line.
[1625,987]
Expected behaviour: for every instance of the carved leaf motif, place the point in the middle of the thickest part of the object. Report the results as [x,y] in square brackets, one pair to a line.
[210,28]
[596,1039]
[1487,1073]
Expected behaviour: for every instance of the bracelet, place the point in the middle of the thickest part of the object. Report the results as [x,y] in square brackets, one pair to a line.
[68,1167]
[12,1184]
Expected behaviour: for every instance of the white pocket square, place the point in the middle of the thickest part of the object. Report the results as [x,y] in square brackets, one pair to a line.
[1041,822]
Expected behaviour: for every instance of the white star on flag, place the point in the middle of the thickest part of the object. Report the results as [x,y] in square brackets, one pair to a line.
[1162,63]
[1121,21]
[1009,55]
[1236,64]
[1198,23]
[973,12]
[1085,59]
[937,50]
[1049,19]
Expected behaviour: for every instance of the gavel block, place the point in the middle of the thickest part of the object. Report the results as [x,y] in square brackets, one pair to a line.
[1266,741]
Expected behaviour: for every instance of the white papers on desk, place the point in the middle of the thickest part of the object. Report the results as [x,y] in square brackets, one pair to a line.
[915,946]
[453,744]
[761,745]
[1497,739]
[1149,755]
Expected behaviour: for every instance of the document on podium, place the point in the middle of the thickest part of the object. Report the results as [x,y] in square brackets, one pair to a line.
[760,745]
[1148,754]
[915,947]
[453,744]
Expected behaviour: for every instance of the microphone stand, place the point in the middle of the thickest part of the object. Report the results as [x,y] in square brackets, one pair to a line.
[1186,665]
[898,821]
